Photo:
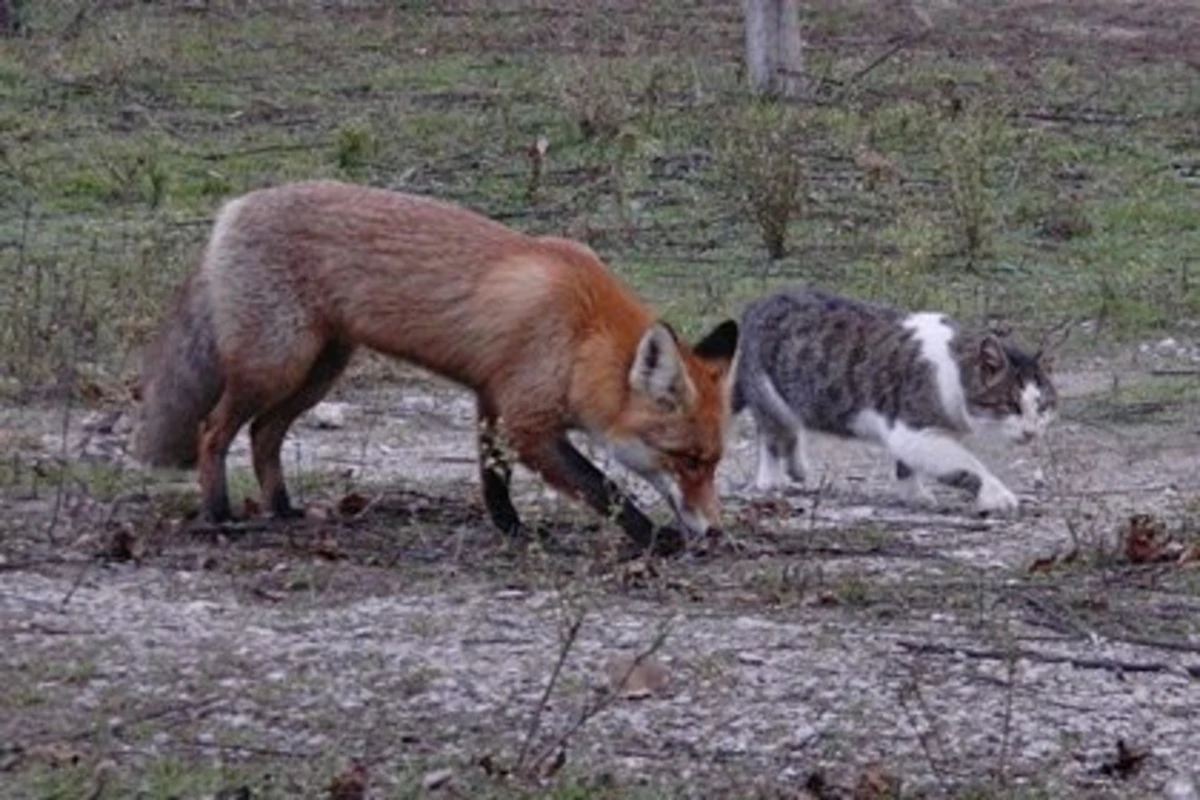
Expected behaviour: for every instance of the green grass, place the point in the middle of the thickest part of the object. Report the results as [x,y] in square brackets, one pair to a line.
[121,135]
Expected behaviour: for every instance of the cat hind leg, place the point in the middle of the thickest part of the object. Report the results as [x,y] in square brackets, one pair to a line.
[940,455]
[770,472]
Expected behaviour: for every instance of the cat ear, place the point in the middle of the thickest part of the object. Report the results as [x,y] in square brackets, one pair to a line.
[719,346]
[1044,360]
[992,359]
[657,370]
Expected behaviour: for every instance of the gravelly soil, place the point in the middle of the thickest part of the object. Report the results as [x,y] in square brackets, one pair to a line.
[843,629]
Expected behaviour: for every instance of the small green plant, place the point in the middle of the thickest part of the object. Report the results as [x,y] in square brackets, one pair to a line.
[970,145]
[596,101]
[354,146]
[762,162]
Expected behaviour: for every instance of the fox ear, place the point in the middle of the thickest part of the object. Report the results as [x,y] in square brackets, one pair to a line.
[720,345]
[658,371]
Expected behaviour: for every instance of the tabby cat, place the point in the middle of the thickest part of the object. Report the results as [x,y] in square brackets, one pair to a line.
[914,383]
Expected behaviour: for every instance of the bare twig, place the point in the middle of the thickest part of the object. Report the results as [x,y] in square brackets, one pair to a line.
[535,722]
[929,737]
[1110,664]
[903,43]
[604,700]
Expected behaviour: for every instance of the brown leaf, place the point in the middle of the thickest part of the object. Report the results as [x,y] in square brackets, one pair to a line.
[636,679]
[124,545]
[352,504]
[350,784]
[1145,539]
[251,508]
[1043,564]
[53,755]
[326,547]
[491,768]
[876,784]
[557,763]
[636,574]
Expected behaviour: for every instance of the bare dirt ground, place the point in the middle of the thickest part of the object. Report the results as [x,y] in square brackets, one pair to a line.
[845,640]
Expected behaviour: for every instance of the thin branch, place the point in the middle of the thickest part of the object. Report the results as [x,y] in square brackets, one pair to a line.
[1110,664]
[536,722]
[606,699]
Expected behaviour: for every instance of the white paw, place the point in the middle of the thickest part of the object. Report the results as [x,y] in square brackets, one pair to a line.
[995,498]
[799,469]
[769,476]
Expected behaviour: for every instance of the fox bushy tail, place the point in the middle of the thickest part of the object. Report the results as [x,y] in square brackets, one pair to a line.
[181,381]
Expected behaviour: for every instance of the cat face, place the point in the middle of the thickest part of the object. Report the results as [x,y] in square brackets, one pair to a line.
[1011,391]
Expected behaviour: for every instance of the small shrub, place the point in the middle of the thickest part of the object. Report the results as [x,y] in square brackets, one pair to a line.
[763,166]
[596,101]
[970,145]
[353,147]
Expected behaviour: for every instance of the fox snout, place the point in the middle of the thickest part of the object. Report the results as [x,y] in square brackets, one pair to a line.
[698,508]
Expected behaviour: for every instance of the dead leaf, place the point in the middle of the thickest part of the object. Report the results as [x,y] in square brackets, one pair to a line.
[491,768]
[1043,564]
[53,755]
[636,574]
[636,679]
[350,784]
[876,784]
[250,508]
[560,759]
[1145,539]
[268,594]
[1126,764]
[352,504]
[1190,555]
[326,547]
[124,545]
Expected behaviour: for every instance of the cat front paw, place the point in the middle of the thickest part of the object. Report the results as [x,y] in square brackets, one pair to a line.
[996,498]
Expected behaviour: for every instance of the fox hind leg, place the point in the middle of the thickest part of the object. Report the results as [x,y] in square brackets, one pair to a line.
[232,411]
[269,428]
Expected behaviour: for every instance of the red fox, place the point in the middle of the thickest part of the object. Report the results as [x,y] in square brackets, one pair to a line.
[295,277]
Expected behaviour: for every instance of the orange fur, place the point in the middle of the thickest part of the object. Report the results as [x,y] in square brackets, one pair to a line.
[296,277]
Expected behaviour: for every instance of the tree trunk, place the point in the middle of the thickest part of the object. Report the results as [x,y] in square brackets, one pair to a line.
[8,18]
[774,48]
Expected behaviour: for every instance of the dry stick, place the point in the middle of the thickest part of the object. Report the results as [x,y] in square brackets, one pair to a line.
[1114,665]
[907,41]
[536,722]
[925,739]
[605,700]
[137,719]
[67,407]
[1006,725]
